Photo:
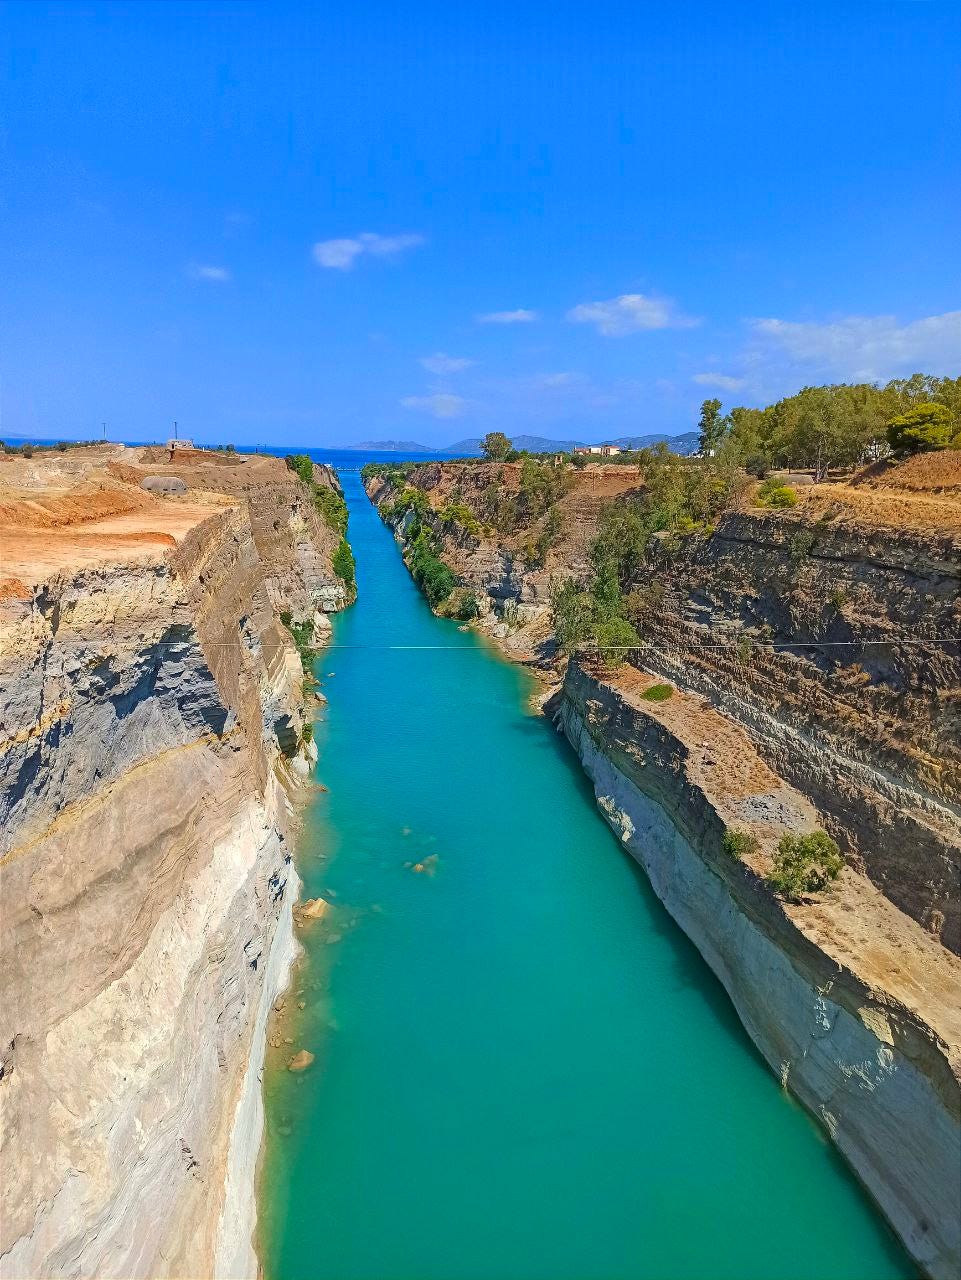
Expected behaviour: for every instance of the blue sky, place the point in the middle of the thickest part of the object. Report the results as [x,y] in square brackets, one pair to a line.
[316,224]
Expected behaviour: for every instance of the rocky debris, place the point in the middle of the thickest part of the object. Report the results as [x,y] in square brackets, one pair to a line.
[313,909]
[301,1060]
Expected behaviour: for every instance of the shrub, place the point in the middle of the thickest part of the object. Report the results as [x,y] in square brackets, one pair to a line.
[458,513]
[773,494]
[922,429]
[805,864]
[342,562]
[657,692]
[615,636]
[332,507]
[462,605]
[301,466]
[302,633]
[430,573]
[739,844]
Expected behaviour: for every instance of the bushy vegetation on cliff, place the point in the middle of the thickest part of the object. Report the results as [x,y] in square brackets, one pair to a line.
[679,500]
[435,578]
[329,503]
[805,864]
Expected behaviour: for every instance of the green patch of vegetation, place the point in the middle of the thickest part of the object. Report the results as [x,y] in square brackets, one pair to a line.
[658,692]
[461,604]
[429,572]
[924,428]
[302,634]
[332,507]
[497,447]
[541,485]
[635,534]
[396,471]
[301,465]
[772,493]
[307,733]
[804,864]
[801,546]
[458,513]
[342,562]
[739,844]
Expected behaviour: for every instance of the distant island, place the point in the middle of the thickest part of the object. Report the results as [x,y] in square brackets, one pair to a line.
[390,446]
[684,443]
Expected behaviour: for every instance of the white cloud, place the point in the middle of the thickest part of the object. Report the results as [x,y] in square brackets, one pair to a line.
[440,405]
[631,313]
[867,348]
[722,380]
[217,275]
[440,363]
[342,254]
[520,316]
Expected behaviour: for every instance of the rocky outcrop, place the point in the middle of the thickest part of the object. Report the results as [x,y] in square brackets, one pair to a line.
[147,806]
[853,1005]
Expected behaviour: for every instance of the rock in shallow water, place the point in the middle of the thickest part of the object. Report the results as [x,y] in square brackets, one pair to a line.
[301,1060]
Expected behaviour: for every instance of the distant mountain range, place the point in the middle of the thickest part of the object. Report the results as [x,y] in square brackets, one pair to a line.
[685,443]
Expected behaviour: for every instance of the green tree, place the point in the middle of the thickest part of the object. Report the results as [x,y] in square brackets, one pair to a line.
[922,429]
[711,426]
[342,562]
[496,446]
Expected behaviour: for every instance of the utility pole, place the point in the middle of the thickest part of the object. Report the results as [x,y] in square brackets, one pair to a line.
[104,431]
[176,437]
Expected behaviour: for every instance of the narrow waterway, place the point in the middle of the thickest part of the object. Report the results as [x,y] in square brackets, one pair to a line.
[523,1069]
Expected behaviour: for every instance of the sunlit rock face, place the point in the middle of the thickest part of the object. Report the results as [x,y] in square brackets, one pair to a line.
[146,876]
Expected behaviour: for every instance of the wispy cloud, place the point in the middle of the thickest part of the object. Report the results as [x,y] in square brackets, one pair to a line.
[520,316]
[340,255]
[631,313]
[439,405]
[441,364]
[864,347]
[215,275]
[723,381]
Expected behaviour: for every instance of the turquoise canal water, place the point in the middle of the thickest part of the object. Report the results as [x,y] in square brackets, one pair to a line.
[524,1071]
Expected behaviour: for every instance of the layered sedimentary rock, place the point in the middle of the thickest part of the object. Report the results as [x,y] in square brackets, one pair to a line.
[151,707]
[816,672]
[851,1002]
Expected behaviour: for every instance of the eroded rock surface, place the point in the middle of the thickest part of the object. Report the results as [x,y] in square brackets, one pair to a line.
[147,807]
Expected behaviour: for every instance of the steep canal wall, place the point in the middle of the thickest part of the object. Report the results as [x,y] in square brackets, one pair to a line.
[832,998]
[152,717]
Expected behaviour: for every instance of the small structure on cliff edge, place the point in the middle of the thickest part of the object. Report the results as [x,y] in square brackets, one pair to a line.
[163,484]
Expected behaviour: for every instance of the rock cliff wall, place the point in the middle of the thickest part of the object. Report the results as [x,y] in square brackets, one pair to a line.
[147,807]
[853,1005]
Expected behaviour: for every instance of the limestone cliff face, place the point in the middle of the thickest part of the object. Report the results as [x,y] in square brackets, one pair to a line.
[146,806]
[829,991]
